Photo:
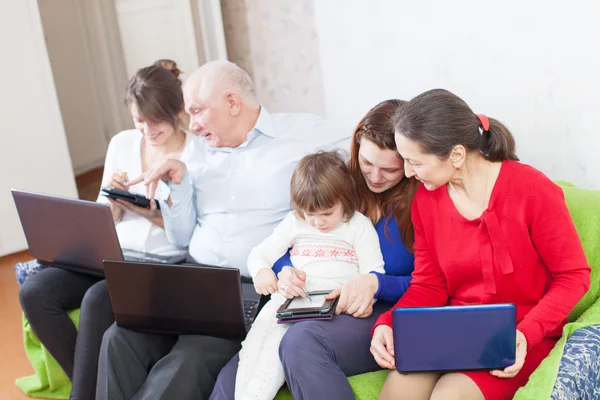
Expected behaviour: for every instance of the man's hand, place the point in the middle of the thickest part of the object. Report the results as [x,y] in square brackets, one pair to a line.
[167,170]
[265,282]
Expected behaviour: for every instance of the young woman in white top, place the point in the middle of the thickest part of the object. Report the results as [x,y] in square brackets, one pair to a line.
[330,242]
[155,100]
[132,152]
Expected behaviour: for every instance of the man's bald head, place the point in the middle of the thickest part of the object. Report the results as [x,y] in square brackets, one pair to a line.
[218,78]
[220,99]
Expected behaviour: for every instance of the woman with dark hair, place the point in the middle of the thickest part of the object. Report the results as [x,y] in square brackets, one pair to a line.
[488,229]
[155,100]
[318,355]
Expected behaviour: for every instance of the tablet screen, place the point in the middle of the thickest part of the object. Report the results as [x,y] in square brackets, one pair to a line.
[298,302]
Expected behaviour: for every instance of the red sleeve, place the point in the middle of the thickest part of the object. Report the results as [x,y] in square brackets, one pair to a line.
[428,286]
[555,238]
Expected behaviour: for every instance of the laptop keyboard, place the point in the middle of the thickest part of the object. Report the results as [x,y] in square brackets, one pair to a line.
[145,259]
[250,308]
[138,256]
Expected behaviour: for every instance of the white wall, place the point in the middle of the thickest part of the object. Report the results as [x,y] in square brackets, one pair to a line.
[276,43]
[33,149]
[190,32]
[534,65]
[155,29]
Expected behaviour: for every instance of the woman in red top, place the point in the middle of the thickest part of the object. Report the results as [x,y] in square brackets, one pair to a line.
[488,229]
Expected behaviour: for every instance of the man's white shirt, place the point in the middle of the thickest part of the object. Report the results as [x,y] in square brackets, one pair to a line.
[232,198]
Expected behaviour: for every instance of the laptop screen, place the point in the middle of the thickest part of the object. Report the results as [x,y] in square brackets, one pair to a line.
[455,338]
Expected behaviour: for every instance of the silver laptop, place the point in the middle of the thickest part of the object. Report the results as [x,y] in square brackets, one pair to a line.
[74,234]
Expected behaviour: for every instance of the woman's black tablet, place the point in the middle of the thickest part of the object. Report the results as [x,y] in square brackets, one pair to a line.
[133,198]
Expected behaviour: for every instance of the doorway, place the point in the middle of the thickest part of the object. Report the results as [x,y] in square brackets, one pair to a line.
[94,46]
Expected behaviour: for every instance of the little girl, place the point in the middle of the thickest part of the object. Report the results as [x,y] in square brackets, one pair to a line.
[330,241]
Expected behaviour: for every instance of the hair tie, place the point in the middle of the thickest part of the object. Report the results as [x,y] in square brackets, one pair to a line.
[484,123]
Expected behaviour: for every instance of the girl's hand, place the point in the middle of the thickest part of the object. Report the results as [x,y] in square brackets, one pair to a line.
[521,353]
[382,347]
[291,282]
[265,282]
[356,296]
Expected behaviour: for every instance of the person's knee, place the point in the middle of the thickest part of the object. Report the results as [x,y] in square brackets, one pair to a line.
[188,353]
[300,340]
[96,297]
[27,295]
[114,339]
[33,294]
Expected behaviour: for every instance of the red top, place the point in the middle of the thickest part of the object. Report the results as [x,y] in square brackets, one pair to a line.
[523,249]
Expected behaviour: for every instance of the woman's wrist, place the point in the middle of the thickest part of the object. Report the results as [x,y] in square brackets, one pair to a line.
[117,213]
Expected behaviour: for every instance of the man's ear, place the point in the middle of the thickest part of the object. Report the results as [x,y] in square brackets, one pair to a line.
[234,103]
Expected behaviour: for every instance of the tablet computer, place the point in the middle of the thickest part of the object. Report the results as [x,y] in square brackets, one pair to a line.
[317,307]
[137,199]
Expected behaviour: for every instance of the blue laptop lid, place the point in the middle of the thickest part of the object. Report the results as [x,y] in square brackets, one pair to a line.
[454,338]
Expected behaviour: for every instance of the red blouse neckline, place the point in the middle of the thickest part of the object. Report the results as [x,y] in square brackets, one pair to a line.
[495,193]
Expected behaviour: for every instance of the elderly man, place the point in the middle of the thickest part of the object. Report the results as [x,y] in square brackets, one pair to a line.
[227,199]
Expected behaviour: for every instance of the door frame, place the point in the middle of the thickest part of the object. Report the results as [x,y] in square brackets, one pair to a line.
[108,61]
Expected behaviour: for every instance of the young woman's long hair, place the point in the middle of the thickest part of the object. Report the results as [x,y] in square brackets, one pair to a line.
[156,92]
[376,126]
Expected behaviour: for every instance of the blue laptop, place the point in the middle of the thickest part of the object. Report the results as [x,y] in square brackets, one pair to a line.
[454,338]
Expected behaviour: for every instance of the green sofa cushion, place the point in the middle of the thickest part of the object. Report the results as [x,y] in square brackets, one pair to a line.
[49,380]
[584,206]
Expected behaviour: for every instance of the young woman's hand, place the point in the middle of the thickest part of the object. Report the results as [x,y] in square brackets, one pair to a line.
[265,282]
[149,213]
[152,214]
[514,369]
[291,282]
[119,180]
[382,347]
[356,296]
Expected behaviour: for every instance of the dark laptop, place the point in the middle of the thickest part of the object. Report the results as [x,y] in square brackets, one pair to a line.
[73,234]
[455,338]
[181,299]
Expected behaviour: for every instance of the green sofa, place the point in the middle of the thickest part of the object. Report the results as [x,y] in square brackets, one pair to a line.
[584,206]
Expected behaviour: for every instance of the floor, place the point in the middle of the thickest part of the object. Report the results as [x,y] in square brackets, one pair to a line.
[14,363]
